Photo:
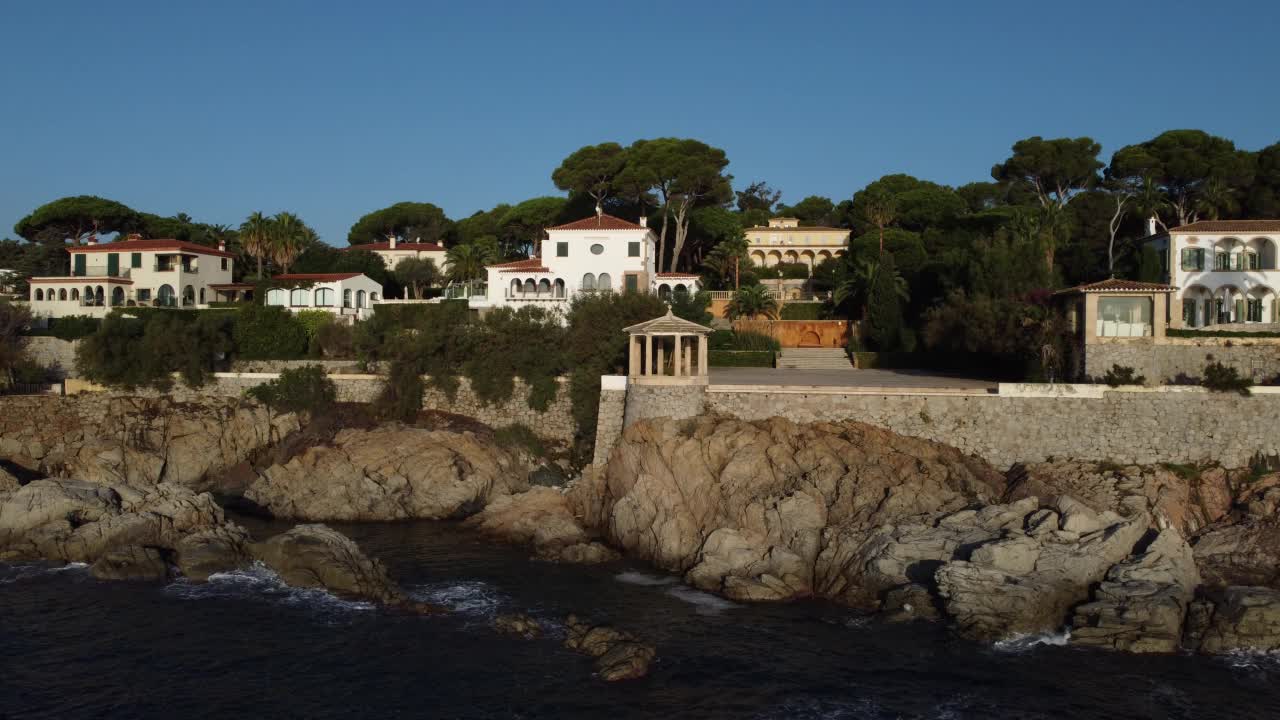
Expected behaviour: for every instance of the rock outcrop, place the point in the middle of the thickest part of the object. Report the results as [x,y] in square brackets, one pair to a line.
[134,440]
[317,556]
[746,508]
[131,562]
[1242,618]
[542,519]
[619,655]
[518,625]
[389,473]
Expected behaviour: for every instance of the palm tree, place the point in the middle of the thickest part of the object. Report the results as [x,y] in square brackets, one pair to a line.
[752,301]
[465,263]
[1217,198]
[856,284]
[288,237]
[255,237]
[881,210]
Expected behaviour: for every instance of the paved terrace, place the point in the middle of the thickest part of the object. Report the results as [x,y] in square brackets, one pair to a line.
[874,382]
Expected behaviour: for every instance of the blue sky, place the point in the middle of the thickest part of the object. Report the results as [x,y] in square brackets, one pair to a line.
[332,109]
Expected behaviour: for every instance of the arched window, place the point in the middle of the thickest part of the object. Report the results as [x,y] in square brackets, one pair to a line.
[324,297]
[88,295]
[530,286]
[117,295]
[515,286]
[75,294]
[188,295]
[604,282]
[588,282]
[559,288]
[62,293]
[359,298]
[681,289]
[39,294]
[99,297]
[544,286]
[275,296]
[298,297]
[346,298]
[201,296]
[164,296]
[664,291]
[373,297]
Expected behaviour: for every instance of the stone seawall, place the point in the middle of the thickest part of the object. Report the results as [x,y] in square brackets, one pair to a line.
[1022,424]
[1160,362]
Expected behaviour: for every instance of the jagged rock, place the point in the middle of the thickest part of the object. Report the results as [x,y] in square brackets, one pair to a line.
[1186,499]
[1244,618]
[541,517]
[771,509]
[519,624]
[994,595]
[134,440]
[8,483]
[587,553]
[389,473]
[1246,552]
[215,550]
[910,602]
[317,556]
[1141,605]
[619,656]
[131,562]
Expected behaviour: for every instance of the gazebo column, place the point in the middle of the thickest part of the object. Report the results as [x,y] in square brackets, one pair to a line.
[702,354]
[688,355]
[677,358]
[662,365]
[648,354]
[633,360]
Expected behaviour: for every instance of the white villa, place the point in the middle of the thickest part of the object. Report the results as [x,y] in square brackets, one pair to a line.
[601,252]
[132,272]
[785,240]
[347,295]
[392,251]
[1223,271]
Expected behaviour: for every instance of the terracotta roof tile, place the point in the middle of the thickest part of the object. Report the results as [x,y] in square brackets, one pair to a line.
[600,222]
[318,277]
[676,275]
[1118,285]
[526,264]
[802,228]
[141,245]
[1229,226]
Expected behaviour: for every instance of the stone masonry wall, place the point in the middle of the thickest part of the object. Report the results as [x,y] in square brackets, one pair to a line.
[1180,425]
[1259,359]
[673,401]
[55,353]
[609,422]
[332,367]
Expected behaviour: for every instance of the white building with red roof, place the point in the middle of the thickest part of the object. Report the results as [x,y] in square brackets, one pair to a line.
[132,272]
[1224,271]
[601,253]
[348,295]
[392,251]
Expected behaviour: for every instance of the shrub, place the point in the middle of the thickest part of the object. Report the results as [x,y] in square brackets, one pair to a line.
[305,389]
[1224,378]
[30,372]
[792,271]
[527,343]
[742,340]
[884,307]
[268,332]
[71,327]
[312,320]
[438,346]
[692,307]
[806,311]
[336,340]
[740,358]
[1123,375]
[132,352]
[14,321]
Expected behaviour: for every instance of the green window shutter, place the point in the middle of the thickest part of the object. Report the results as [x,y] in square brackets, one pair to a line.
[135,260]
[562,249]
[633,249]
[1239,311]
[79,265]
[631,283]
[113,264]
[1187,256]
[1199,258]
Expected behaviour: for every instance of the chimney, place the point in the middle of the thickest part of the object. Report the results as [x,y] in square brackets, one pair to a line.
[1151,225]
[391,241]
[92,240]
[133,236]
[644,221]
[222,244]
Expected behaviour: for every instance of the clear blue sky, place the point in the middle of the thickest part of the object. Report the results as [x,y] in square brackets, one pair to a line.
[332,109]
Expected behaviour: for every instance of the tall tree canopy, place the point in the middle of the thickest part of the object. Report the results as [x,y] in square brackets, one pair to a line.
[408,221]
[591,170]
[758,196]
[1055,169]
[813,210]
[522,227]
[918,204]
[77,218]
[1184,165]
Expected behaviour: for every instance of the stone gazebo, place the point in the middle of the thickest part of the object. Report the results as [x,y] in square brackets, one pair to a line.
[668,339]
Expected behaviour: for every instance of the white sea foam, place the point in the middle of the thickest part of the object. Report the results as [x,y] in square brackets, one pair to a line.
[1253,660]
[468,597]
[632,577]
[259,582]
[706,603]
[1023,642]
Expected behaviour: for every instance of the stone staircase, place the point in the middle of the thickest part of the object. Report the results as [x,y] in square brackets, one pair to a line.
[814,359]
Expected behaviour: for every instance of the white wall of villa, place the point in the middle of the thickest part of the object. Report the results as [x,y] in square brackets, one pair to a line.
[392,251]
[1224,272]
[133,272]
[347,295]
[785,240]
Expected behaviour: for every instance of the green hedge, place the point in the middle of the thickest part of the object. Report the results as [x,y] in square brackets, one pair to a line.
[1179,333]
[805,311]
[741,340]
[740,358]
[267,332]
[72,327]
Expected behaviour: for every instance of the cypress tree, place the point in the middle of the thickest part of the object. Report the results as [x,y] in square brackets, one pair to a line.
[884,307]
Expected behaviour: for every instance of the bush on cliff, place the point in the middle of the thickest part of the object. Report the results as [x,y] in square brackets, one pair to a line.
[14,320]
[527,343]
[595,345]
[1224,378]
[305,389]
[267,332]
[438,346]
[131,352]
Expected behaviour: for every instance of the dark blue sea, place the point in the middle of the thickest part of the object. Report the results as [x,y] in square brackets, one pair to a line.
[244,646]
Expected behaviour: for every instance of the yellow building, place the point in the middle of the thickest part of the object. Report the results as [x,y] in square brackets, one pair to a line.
[785,240]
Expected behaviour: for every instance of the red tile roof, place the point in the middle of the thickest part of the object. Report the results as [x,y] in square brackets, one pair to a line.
[802,228]
[142,245]
[1229,226]
[677,275]
[81,280]
[531,264]
[318,277]
[418,247]
[231,286]
[600,222]
[1118,285]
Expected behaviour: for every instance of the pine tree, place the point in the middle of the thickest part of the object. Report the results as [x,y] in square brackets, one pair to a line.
[884,306]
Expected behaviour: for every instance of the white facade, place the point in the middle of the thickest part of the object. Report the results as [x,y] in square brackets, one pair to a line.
[1224,271]
[599,253]
[392,252]
[785,240]
[133,272]
[347,295]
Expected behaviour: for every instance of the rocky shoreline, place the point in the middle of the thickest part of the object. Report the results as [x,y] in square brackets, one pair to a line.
[1136,559]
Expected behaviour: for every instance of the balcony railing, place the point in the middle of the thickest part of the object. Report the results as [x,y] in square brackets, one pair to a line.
[544,296]
[100,272]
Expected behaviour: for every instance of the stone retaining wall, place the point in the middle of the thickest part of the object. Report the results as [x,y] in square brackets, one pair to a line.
[1161,362]
[1175,425]
[609,420]
[54,353]
[332,367]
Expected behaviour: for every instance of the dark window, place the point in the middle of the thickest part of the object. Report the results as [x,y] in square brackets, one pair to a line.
[135,260]
[633,249]
[631,282]
[562,249]
[224,263]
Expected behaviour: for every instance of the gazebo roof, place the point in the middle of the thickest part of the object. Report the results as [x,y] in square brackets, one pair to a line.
[668,324]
